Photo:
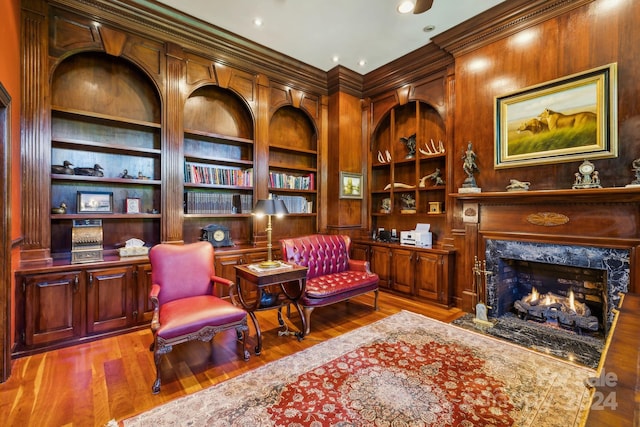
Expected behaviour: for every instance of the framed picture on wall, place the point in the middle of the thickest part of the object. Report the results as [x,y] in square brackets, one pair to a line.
[568,119]
[95,202]
[350,185]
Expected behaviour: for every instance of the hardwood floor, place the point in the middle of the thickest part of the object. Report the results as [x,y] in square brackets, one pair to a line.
[93,383]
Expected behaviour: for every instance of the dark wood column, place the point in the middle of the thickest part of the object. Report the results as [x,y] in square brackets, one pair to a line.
[35,148]
[172,148]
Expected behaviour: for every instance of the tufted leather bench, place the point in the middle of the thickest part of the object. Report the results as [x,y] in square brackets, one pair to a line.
[331,276]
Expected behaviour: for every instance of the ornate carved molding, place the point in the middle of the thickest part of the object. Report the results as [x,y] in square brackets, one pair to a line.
[159,21]
[547,219]
[500,22]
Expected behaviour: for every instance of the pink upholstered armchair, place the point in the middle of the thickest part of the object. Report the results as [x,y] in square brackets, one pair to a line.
[185,307]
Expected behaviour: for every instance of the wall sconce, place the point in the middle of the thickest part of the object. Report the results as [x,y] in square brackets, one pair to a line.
[270,207]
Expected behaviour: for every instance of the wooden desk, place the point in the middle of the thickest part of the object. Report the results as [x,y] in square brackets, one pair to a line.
[615,399]
[286,285]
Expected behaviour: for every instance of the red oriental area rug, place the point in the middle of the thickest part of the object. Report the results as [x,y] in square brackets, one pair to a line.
[405,370]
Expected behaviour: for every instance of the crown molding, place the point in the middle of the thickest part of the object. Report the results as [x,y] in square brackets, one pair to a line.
[501,21]
[149,18]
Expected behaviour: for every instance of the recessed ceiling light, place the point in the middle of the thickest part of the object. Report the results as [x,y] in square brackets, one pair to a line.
[406,6]
[362,62]
[257,22]
[429,28]
[335,58]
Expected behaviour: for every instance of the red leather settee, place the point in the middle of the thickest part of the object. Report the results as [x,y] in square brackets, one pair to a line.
[331,276]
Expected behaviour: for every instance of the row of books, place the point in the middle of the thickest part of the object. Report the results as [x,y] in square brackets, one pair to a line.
[293,182]
[199,173]
[217,203]
[295,204]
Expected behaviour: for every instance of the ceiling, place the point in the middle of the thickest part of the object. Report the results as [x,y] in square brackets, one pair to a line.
[316,31]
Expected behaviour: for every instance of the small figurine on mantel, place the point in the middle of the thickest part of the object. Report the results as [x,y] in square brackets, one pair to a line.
[587,176]
[515,185]
[470,167]
[635,167]
[410,145]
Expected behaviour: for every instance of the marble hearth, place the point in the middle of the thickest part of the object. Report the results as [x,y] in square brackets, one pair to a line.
[614,264]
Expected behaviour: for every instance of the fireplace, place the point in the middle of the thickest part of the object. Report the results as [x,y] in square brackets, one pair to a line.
[566,296]
[596,275]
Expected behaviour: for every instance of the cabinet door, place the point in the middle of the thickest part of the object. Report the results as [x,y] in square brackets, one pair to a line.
[109,293]
[144,310]
[53,307]
[403,270]
[429,276]
[225,267]
[381,265]
[360,252]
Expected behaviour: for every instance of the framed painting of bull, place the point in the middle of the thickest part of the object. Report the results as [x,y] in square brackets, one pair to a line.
[568,119]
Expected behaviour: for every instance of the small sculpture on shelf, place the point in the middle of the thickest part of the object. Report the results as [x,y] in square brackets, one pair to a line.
[410,145]
[470,167]
[125,175]
[635,167]
[408,204]
[433,150]
[62,209]
[63,169]
[96,170]
[382,159]
[587,176]
[515,185]
[385,206]
[142,176]
[435,176]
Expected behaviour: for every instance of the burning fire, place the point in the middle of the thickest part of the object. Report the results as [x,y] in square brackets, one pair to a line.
[556,302]
[572,301]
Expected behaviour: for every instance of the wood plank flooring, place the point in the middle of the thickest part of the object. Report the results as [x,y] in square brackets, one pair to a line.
[92,383]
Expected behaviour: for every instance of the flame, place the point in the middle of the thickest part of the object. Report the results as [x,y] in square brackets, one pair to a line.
[572,301]
[534,295]
[547,300]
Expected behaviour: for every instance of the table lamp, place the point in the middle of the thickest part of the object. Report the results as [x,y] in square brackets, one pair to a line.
[270,207]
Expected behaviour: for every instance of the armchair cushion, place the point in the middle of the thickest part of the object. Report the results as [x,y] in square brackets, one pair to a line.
[189,315]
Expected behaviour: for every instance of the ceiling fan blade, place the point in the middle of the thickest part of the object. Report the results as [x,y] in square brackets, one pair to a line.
[422,6]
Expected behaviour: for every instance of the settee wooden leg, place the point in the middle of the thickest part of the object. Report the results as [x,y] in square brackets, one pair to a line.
[307,317]
[375,299]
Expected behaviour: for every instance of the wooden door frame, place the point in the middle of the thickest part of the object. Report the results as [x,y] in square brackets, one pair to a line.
[5,233]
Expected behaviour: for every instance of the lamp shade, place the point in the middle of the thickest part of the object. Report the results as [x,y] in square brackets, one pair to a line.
[270,207]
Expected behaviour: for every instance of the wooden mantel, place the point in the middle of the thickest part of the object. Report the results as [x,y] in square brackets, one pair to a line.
[591,195]
[603,217]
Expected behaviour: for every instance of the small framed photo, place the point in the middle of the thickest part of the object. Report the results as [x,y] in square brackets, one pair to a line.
[350,185]
[95,202]
[132,205]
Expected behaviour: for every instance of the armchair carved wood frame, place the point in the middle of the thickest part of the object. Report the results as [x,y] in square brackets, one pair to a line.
[184,303]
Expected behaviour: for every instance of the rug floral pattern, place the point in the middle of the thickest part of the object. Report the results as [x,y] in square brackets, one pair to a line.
[405,370]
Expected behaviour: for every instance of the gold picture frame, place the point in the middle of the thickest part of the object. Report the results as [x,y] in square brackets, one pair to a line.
[568,119]
[350,185]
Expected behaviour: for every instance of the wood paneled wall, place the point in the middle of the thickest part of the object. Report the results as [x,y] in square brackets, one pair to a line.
[593,35]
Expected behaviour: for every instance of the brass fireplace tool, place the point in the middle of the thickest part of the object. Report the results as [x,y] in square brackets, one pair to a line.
[480,278]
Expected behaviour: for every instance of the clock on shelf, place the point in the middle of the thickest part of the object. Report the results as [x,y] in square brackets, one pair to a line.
[217,235]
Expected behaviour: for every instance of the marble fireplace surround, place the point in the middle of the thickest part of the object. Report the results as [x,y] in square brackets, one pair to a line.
[616,263]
